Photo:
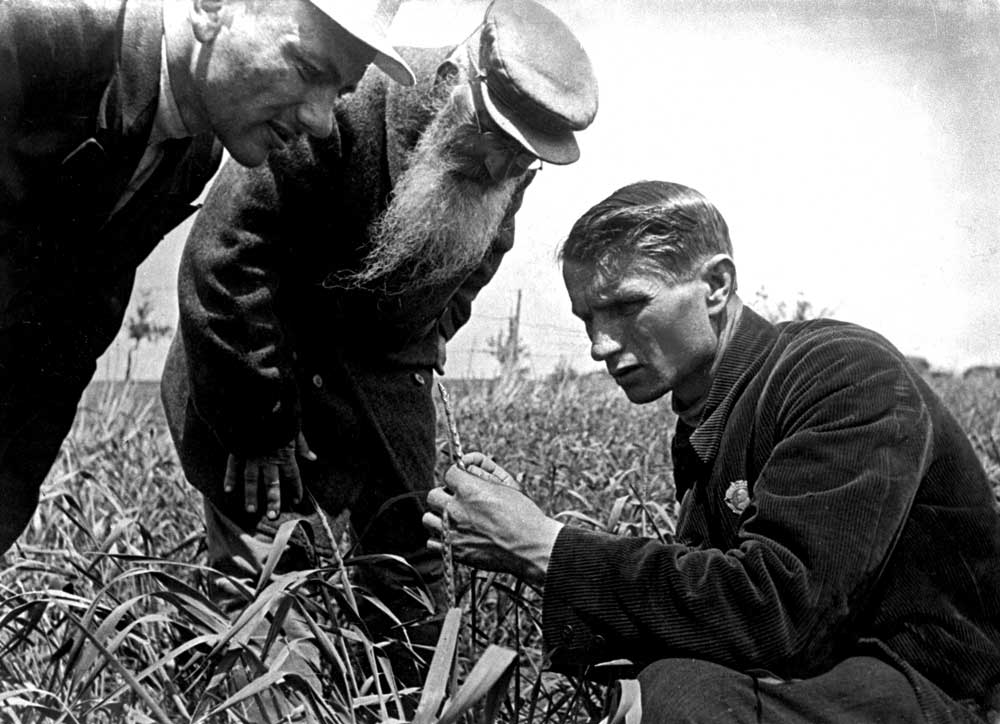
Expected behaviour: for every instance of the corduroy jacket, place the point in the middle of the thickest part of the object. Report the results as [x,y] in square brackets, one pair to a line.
[867,524]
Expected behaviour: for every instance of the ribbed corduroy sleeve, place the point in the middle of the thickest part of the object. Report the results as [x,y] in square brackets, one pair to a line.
[238,358]
[844,438]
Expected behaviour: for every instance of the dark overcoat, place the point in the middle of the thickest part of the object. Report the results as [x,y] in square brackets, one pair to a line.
[832,507]
[268,348]
[79,83]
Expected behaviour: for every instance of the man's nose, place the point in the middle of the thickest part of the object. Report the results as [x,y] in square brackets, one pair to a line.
[603,345]
[315,113]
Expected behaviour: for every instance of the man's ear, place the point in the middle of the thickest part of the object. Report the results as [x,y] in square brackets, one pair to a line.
[446,71]
[719,273]
[206,19]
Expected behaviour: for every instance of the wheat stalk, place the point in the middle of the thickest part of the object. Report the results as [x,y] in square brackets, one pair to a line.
[455,446]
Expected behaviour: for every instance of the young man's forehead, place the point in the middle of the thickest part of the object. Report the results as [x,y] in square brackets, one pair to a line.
[593,286]
[625,285]
[607,279]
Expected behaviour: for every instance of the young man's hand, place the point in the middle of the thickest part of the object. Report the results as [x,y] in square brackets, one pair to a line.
[493,526]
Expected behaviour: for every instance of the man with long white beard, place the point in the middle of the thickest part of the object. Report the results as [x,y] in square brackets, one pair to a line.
[318,291]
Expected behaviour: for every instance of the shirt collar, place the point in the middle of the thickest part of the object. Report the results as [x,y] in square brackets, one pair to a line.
[691,414]
[752,340]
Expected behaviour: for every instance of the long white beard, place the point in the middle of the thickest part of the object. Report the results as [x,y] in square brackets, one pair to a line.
[439,224]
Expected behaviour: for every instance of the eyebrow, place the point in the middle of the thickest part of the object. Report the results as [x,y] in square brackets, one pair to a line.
[610,297]
[587,313]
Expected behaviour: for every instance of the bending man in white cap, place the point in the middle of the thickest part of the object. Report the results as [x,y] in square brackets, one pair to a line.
[111,117]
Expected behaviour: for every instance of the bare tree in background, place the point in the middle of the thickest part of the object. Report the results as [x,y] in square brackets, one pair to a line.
[141,328]
[781,311]
[508,348]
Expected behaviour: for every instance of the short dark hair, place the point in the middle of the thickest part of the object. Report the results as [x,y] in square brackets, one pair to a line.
[661,227]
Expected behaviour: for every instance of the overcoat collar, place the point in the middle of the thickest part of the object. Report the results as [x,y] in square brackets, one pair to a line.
[752,341]
[409,110]
[396,150]
[383,121]
[129,104]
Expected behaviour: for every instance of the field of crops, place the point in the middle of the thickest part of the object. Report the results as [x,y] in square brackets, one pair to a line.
[104,615]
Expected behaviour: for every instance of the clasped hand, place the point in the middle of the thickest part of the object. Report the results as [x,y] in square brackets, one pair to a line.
[492,525]
[276,470]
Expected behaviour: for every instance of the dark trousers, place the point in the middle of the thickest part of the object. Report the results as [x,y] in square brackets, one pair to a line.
[51,333]
[859,690]
[33,424]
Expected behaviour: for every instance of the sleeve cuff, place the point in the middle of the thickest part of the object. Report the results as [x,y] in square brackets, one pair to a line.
[573,581]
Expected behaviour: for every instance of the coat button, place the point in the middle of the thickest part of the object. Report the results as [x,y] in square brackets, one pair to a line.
[418,379]
[317,381]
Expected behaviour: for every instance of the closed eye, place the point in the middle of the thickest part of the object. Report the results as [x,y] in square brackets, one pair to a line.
[309,72]
[628,308]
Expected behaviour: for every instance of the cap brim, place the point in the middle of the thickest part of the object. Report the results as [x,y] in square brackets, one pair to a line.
[368,32]
[392,64]
[555,148]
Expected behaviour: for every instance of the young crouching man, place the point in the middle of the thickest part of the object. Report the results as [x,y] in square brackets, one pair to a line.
[837,556]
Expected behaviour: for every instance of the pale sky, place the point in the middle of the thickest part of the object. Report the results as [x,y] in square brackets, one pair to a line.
[852,146]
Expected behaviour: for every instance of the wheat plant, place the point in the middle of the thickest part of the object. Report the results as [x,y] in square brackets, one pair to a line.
[105,614]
